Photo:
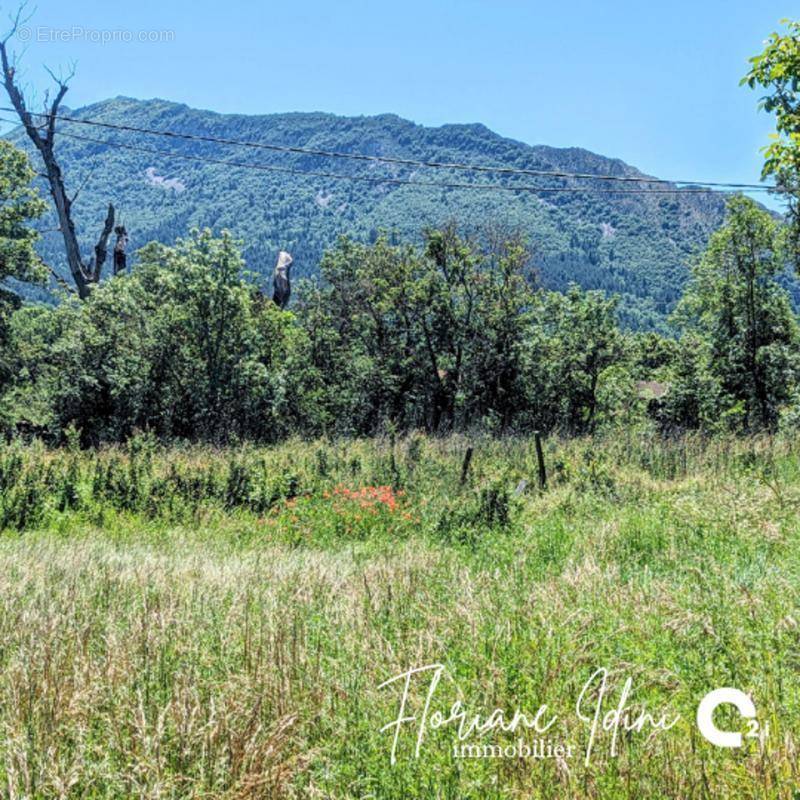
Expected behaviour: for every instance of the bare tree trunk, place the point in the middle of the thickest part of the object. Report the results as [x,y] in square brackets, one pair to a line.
[83,274]
[120,259]
[101,248]
[281,280]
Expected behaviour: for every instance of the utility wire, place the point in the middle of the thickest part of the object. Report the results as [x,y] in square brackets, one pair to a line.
[391,159]
[375,180]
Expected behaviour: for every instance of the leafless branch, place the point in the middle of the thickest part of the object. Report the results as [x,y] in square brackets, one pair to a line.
[16,21]
[83,184]
[59,280]
[83,274]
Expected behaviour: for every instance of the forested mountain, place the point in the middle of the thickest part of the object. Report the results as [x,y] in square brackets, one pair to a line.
[632,244]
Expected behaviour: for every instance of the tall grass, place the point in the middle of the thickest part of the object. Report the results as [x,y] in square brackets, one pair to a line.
[203,623]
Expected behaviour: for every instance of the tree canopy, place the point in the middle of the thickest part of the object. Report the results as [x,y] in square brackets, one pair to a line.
[777,69]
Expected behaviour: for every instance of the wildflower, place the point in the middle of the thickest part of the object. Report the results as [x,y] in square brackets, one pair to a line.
[368,498]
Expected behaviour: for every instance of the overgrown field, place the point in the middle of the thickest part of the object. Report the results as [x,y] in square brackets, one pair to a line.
[217,624]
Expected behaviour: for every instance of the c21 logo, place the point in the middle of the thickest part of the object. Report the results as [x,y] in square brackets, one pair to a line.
[745,706]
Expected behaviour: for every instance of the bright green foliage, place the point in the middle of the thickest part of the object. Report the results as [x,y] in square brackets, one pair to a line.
[452,337]
[183,347]
[574,344]
[740,360]
[694,393]
[220,343]
[777,69]
[19,203]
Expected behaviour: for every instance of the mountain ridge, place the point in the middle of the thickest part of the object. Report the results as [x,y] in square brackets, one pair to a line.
[636,245]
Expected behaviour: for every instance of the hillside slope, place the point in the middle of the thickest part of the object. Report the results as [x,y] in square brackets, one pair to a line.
[632,244]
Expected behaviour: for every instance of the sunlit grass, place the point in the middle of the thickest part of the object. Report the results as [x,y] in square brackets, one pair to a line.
[201,623]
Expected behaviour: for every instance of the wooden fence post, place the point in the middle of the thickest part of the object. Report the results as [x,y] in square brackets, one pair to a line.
[465,465]
[537,437]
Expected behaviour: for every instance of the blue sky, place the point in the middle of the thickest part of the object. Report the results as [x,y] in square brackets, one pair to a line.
[655,84]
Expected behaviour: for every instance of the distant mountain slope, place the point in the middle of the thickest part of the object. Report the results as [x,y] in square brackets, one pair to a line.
[636,245]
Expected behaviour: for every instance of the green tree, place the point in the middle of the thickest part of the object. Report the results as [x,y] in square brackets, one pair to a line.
[26,397]
[456,335]
[449,336]
[19,204]
[735,304]
[777,69]
[575,343]
[428,338]
[363,339]
[184,346]
[694,400]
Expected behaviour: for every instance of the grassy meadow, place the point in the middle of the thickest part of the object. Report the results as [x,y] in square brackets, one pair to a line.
[199,623]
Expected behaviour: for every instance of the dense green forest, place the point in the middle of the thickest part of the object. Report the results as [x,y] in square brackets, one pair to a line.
[444,337]
[637,246]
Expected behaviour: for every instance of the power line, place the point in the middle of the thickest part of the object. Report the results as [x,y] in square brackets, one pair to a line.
[392,159]
[376,180]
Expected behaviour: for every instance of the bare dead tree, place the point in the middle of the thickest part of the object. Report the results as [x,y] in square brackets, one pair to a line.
[281,282]
[120,258]
[84,273]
